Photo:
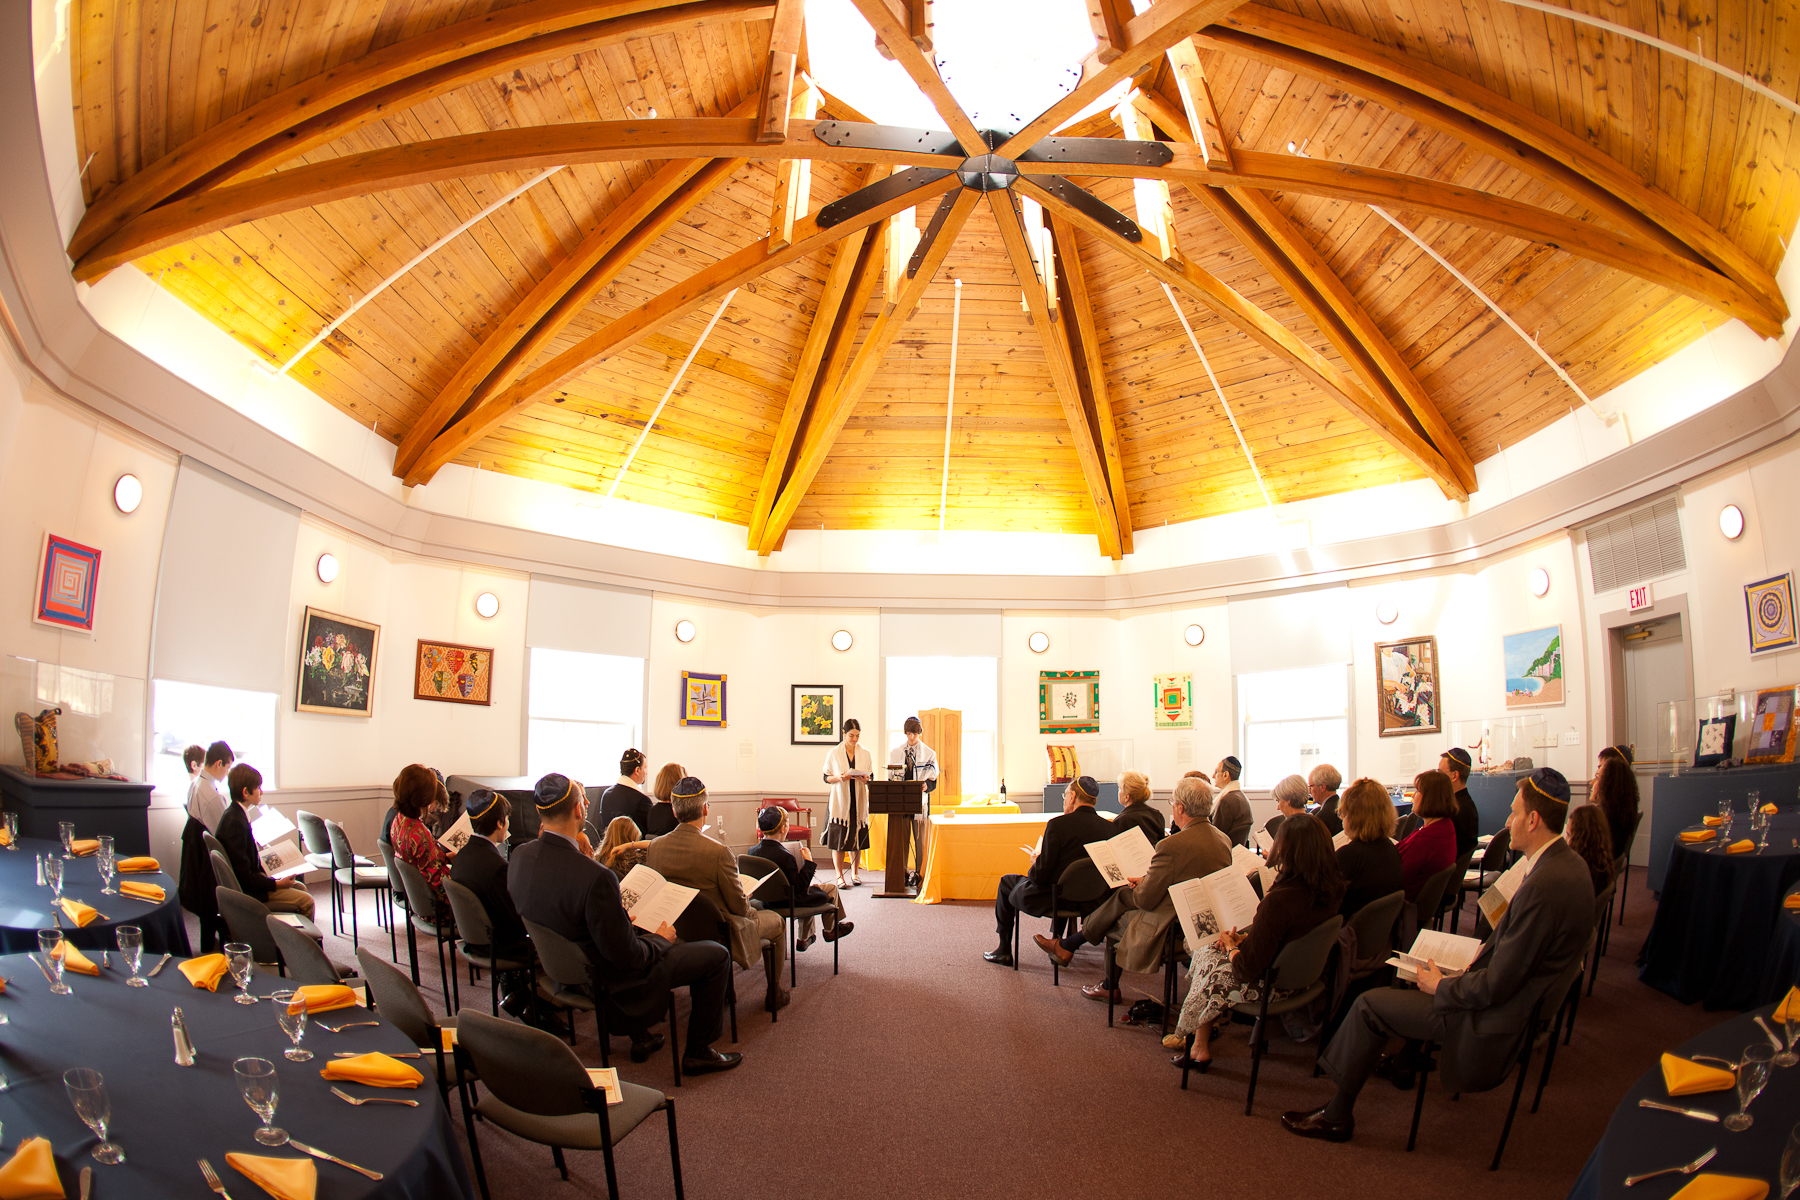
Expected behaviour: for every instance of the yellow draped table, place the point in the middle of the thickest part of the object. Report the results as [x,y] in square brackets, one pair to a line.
[969,854]
[875,857]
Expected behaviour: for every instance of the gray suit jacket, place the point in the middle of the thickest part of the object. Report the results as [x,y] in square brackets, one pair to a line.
[686,856]
[1145,914]
[1544,930]
[1231,815]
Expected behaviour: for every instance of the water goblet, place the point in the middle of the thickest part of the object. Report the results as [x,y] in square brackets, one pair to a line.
[53,877]
[1790,1031]
[12,829]
[1752,1074]
[66,831]
[87,1091]
[291,1009]
[50,943]
[108,864]
[238,955]
[1790,1164]
[256,1080]
[131,949]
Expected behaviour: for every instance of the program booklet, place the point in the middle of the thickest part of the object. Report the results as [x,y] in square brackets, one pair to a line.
[1122,858]
[269,825]
[1450,951]
[458,835]
[1226,894]
[283,858]
[652,901]
[1340,841]
[608,1078]
[1496,900]
[1265,841]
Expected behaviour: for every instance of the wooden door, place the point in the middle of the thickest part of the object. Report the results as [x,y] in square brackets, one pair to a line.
[943,733]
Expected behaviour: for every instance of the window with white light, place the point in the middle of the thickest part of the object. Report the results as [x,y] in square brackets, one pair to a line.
[196,714]
[585,710]
[1292,721]
[970,686]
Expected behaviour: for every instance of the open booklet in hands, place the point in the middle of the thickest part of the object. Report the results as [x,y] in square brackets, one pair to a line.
[652,901]
[457,836]
[1451,953]
[1123,858]
[1497,899]
[283,858]
[1226,894]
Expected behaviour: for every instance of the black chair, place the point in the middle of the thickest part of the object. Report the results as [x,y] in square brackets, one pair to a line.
[538,1090]
[1406,825]
[302,958]
[1172,953]
[701,921]
[1621,865]
[1074,894]
[1496,857]
[1450,904]
[352,872]
[1630,841]
[1424,906]
[1374,926]
[579,986]
[475,928]
[1602,908]
[422,915]
[777,895]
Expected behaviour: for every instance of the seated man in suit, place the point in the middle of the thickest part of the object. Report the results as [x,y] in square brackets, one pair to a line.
[772,823]
[686,856]
[629,797]
[1322,785]
[1231,808]
[480,867]
[556,885]
[1143,911]
[1065,841]
[245,782]
[1456,762]
[1477,1017]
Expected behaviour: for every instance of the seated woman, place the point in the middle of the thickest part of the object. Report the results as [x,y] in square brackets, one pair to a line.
[415,792]
[662,793]
[1588,835]
[1307,891]
[1134,808]
[621,849]
[1290,797]
[773,824]
[1369,861]
[1615,792]
[1431,847]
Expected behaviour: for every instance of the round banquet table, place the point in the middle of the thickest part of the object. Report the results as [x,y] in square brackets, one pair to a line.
[25,906]
[1643,1139]
[166,1116]
[1716,920]
[1781,970]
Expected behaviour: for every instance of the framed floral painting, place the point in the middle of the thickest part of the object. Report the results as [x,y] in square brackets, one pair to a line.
[816,710]
[452,673]
[337,664]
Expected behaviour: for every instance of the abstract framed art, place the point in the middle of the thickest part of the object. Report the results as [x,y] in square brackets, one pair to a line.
[1769,608]
[1174,701]
[337,664]
[1406,687]
[1772,728]
[1068,702]
[68,585]
[452,673]
[814,713]
[1712,742]
[703,699]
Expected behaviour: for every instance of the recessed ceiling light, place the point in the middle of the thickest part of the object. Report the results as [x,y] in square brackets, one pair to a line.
[1540,581]
[841,640]
[1193,635]
[327,568]
[128,493]
[1039,642]
[684,631]
[1731,520]
[487,604]
[1387,612]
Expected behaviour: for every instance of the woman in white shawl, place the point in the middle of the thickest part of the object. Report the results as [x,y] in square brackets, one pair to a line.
[848,769]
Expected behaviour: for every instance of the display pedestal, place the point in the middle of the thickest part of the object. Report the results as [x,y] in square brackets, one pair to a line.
[902,801]
[110,807]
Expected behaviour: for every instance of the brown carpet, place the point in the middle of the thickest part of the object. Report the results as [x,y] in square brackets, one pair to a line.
[922,1071]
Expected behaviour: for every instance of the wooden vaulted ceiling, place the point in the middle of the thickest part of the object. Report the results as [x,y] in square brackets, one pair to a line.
[272,161]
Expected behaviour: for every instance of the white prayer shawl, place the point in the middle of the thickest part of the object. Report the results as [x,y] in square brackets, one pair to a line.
[924,759]
[836,763]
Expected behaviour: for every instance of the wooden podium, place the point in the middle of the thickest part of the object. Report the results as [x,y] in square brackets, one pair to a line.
[902,802]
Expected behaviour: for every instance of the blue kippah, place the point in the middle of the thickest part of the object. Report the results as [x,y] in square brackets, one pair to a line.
[1087,787]
[479,801]
[688,787]
[1549,783]
[1461,757]
[551,790]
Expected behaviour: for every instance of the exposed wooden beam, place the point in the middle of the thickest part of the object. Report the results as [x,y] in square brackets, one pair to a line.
[1197,105]
[564,292]
[833,410]
[1270,334]
[427,61]
[918,23]
[1108,18]
[1155,211]
[895,29]
[793,179]
[1083,336]
[1517,121]
[1146,35]
[707,284]
[778,81]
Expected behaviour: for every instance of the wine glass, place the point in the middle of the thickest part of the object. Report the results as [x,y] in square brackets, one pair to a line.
[239,956]
[1790,1028]
[87,1091]
[107,866]
[50,942]
[1790,1164]
[12,829]
[291,1008]
[256,1080]
[131,949]
[1752,1074]
[53,877]
[66,831]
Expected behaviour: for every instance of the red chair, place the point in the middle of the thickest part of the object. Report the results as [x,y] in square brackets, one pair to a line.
[800,827]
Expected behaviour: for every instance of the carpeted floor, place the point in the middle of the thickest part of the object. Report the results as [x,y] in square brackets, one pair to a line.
[922,1071]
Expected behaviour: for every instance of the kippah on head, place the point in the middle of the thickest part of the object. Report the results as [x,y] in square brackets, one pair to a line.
[479,801]
[768,819]
[630,761]
[1086,787]
[1549,783]
[1231,760]
[551,790]
[1460,757]
[688,787]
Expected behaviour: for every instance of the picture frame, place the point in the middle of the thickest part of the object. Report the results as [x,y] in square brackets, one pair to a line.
[1174,701]
[1407,699]
[1712,745]
[1068,702]
[1532,663]
[814,713]
[1772,727]
[453,673]
[68,585]
[336,671]
[702,700]
[1769,610]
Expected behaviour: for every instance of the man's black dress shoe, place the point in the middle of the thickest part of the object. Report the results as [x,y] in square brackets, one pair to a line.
[712,1061]
[1400,1069]
[642,1050]
[1314,1125]
[1000,958]
[841,929]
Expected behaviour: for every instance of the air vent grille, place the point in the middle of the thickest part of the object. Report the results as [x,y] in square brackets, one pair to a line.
[1635,546]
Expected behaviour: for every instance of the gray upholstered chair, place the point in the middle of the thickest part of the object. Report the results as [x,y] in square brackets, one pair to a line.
[399,1003]
[313,840]
[352,872]
[538,1090]
[247,921]
[1374,924]
[422,915]
[304,960]
[475,928]
[578,986]
[223,875]
[397,895]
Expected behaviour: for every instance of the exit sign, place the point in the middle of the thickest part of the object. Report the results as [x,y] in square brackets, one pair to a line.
[1640,599]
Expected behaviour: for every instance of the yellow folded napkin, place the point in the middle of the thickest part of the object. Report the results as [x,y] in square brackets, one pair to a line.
[81,914]
[1684,1077]
[74,960]
[1698,835]
[1792,901]
[1723,1187]
[5,838]
[31,1173]
[282,1178]
[82,847]
[1789,1003]
[1769,808]
[1715,822]
[376,1070]
[206,971]
[142,891]
[323,997]
[1742,846]
[142,862]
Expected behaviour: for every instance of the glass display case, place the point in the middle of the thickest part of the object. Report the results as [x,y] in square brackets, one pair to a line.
[1100,758]
[1494,742]
[102,714]
[1761,725]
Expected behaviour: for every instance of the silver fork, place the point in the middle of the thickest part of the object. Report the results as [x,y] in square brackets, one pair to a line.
[1689,1169]
[345,1025]
[347,1098]
[389,1053]
[212,1179]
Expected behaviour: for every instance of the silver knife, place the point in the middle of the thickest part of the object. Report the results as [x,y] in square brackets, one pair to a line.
[318,1153]
[160,964]
[1699,1113]
[48,977]
[87,1182]
[1774,1039]
[105,961]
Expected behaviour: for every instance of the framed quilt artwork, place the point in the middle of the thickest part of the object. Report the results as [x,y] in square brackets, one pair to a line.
[1175,701]
[1533,662]
[1772,728]
[1769,607]
[68,585]
[1713,745]
[337,664]
[1406,683]
[816,710]
[1068,702]
[452,673]
[703,699]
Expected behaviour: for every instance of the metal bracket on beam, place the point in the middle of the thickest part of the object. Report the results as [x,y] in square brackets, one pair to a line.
[877,193]
[1109,151]
[1084,200]
[888,137]
[931,233]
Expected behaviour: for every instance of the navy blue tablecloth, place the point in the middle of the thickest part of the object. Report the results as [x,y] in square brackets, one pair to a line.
[1643,1139]
[166,1116]
[1716,921]
[1781,970]
[25,907]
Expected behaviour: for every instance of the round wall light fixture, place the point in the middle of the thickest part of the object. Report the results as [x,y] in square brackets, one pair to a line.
[1039,642]
[327,567]
[128,493]
[1731,521]
[1193,635]
[1540,581]
[684,631]
[487,604]
[1387,612]
[841,640]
